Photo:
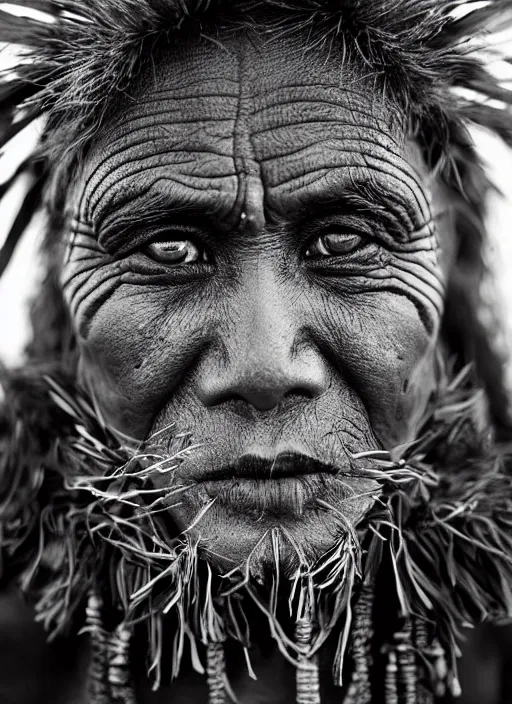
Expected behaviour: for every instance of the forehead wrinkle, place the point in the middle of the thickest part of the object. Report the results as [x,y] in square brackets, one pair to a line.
[138,153]
[331,109]
[169,81]
[118,141]
[314,99]
[202,107]
[347,154]
[259,79]
[127,185]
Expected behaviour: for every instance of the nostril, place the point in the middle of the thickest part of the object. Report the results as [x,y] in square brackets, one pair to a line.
[261,400]
[300,394]
[263,387]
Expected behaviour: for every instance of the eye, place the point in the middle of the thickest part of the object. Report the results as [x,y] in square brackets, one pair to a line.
[175,252]
[333,244]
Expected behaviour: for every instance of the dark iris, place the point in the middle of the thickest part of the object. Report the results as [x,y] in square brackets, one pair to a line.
[334,244]
[174,252]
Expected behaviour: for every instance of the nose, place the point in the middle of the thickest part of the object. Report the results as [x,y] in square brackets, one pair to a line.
[263,357]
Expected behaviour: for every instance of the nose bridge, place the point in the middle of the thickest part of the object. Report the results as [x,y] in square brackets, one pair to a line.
[269,324]
[264,359]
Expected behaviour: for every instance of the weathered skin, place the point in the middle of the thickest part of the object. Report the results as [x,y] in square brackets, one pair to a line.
[262,340]
[251,154]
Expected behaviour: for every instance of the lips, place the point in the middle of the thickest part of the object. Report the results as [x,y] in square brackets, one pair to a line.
[286,465]
[279,488]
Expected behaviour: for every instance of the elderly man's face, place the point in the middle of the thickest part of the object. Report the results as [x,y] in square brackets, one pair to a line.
[255,259]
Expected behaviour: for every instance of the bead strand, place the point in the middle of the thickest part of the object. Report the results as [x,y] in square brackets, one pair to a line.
[390,684]
[97,684]
[216,673]
[421,642]
[119,677]
[359,691]
[307,675]
[406,663]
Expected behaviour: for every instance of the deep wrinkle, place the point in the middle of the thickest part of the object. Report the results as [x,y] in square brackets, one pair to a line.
[256,347]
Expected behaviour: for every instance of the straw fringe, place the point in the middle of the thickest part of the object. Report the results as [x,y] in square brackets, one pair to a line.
[104,525]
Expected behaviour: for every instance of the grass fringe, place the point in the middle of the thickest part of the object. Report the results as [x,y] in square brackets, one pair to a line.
[85,510]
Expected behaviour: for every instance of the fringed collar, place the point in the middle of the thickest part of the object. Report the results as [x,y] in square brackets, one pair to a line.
[80,516]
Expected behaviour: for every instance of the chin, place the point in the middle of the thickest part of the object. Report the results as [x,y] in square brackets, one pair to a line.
[255,521]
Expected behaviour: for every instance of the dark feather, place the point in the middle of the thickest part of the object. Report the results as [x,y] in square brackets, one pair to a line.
[13,93]
[29,206]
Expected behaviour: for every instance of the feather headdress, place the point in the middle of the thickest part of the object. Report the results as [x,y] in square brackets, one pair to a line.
[77,55]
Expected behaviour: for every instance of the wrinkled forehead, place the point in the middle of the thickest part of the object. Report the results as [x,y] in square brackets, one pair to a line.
[244,127]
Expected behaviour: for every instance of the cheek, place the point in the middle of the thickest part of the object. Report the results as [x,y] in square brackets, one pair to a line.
[379,345]
[139,347]
[144,343]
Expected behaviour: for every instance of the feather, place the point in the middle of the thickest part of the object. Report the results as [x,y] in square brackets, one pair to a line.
[496,16]
[20,30]
[47,6]
[31,203]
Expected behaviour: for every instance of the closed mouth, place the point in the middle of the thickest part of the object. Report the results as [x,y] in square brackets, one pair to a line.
[286,465]
[278,489]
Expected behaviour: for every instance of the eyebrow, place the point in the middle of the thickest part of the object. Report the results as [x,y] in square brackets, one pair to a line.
[368,195]
[125,227]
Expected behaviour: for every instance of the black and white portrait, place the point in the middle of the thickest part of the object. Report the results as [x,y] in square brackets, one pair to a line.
[255,415]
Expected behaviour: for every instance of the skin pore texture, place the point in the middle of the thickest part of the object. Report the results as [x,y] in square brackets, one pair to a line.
[300,306]
[256,256]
